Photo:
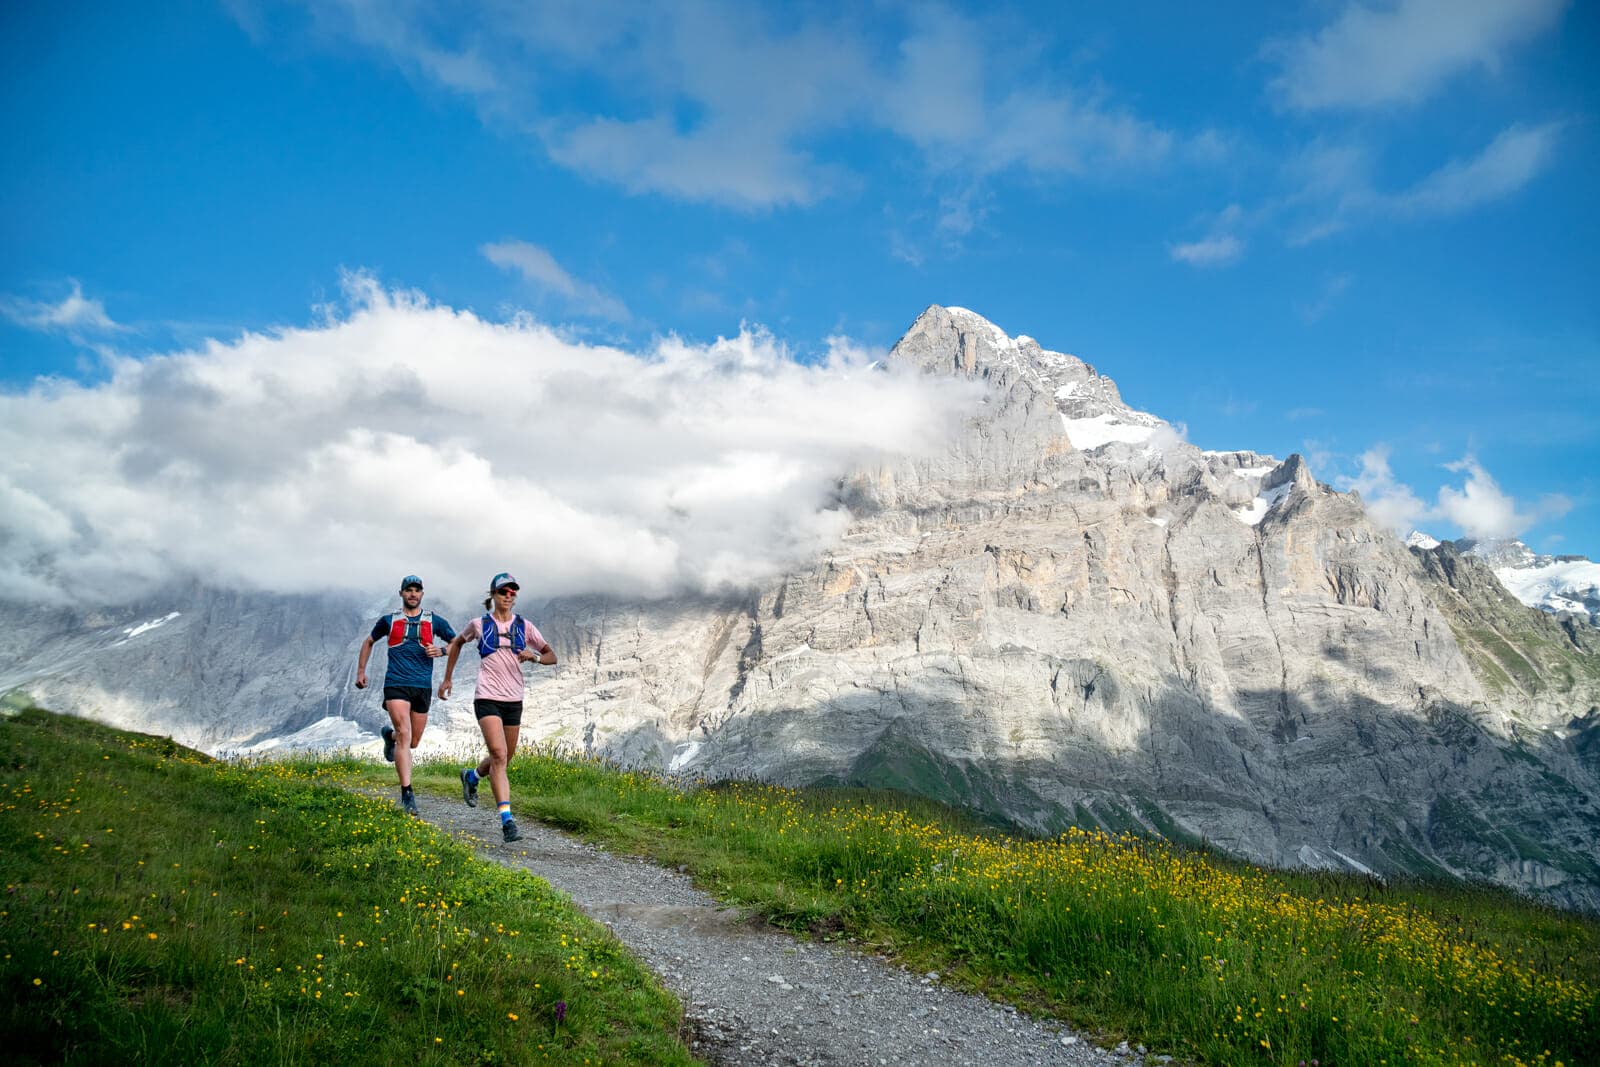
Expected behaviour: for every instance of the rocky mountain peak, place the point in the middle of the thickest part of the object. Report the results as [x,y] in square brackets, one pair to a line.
[956,341]
[1292,471]
[1499,552]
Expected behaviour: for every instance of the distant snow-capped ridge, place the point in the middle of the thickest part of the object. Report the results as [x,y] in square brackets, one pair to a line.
[1557,584]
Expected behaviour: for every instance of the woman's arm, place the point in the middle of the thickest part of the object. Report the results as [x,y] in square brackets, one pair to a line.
[450,665]
[545,655]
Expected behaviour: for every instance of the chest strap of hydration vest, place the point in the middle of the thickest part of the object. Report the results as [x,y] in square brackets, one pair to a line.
[403,628]
[489,635]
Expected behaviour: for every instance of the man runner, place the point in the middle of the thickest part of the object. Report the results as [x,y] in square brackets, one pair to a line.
[408,677]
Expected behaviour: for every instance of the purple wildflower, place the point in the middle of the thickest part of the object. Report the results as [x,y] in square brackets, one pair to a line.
[561,1011]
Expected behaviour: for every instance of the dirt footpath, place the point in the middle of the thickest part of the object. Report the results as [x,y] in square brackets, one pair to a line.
[753,994]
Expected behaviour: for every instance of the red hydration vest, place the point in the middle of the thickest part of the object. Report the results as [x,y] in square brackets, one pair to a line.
[400,628]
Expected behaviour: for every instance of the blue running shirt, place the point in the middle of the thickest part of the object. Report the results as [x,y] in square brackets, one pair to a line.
[409,664]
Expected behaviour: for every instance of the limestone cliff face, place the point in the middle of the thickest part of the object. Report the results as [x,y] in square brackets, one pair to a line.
[1070,615]
[1073,615]
[221,671]
[212,669]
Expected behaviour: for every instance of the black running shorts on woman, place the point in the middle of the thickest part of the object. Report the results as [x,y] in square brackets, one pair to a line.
[418,697]
[508,711]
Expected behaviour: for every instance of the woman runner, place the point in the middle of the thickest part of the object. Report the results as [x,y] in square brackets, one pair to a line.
[505,641]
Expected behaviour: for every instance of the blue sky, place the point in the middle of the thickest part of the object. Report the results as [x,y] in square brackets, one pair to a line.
[1365,232]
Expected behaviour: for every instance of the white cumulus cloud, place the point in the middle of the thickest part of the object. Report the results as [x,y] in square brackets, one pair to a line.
[1514,158]
[540,269]
[1479,507]
[1336,188]
[1485,511]
[1390,502]
[1221,246]
[400,436]
[743,105]
[1209,252]
[1401,53]
[75,314]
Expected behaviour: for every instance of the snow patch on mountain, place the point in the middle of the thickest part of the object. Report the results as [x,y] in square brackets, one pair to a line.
[1252,513]
[996,334]
[1557,584]
[145,627]
[683,755]
[1327,858]
[1089,434]
[331,734]
[1563,585]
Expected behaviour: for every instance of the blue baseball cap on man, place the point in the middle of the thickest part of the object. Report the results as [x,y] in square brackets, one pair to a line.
[500,581]
[410,580]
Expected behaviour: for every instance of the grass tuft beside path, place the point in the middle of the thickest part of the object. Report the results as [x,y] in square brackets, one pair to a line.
[163,907]
[1217,961]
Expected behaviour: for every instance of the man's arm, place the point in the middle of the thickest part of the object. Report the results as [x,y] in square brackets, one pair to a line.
[435,651]
[361,663]
[450,666]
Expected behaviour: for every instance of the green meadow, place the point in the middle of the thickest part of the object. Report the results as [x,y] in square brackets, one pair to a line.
[1191,954]
[162,907]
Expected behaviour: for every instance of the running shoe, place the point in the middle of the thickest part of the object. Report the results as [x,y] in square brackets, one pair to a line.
[388,743]
[469,789]
[509,829]
[409,802]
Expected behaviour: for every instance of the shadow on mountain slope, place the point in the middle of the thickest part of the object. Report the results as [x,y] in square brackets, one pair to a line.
[1360,785]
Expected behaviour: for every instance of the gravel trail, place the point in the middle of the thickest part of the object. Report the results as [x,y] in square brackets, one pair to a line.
[753,994]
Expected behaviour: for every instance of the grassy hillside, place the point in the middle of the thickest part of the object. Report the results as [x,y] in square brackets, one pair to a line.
[1515,650]
[1217,961]
[162,907]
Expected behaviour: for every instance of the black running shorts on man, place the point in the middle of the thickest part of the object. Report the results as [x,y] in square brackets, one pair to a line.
[419,698]
[509,711]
